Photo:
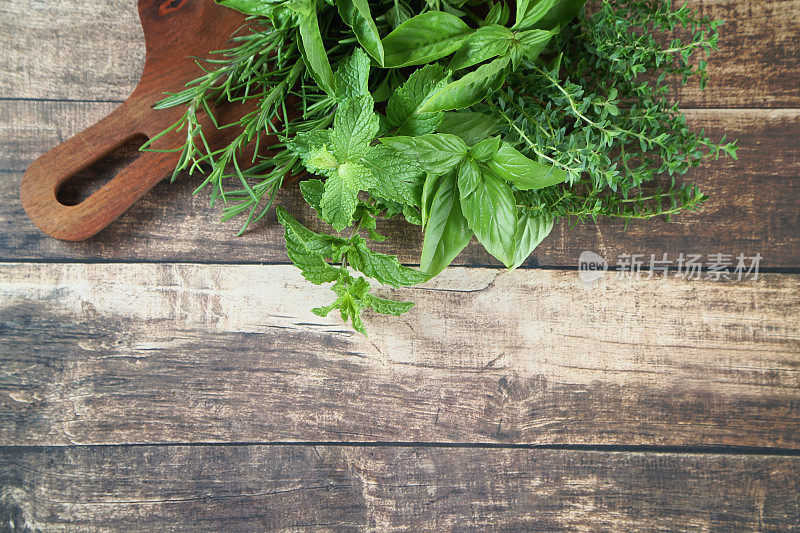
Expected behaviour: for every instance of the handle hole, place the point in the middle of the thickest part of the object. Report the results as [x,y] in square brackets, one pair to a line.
[88,181]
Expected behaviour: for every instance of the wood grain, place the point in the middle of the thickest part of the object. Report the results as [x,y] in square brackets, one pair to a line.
[752,207]
[257,488]
[79,50]
[71,49]
[113,354]
[116,354]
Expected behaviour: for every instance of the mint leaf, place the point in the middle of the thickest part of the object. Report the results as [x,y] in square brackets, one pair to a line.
[384,268]
[307,250]
[387,307]
[352,76]
[358,174]
[397,178]
[312,193]
[354,127]
[489,207]
[337,153]
[326,246]
[365,218]
[402,110]
[350,302]
[412,215]
[437,153]
[339,200]
[313,149]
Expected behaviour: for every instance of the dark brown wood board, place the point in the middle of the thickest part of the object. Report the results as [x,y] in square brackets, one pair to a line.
[142,388]
[343,488]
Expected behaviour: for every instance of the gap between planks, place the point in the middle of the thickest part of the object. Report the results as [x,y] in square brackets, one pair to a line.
[732,451]
[563,268]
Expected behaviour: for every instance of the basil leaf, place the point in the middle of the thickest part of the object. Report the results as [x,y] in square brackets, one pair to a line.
[424,39]
[489,207]
[529,44]
[531,14]
[402,110]
[494,15]
[471,127]
[487,42]
[530,231]
[470,89]
[429,189]
[282,15]
[313,51]
[533,42]
[561,14]
[437,153]
[447,231]
[522,8]
[524,173]
[486,149]
[356,14]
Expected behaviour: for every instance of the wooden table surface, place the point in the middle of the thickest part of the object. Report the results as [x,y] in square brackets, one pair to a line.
[166,375]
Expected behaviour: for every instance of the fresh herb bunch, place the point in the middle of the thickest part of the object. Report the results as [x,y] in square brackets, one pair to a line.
[466,117]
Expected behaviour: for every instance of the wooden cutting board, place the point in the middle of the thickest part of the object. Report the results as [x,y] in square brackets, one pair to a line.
[174,31]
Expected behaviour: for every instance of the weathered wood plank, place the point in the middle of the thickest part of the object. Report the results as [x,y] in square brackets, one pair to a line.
[257,488]
[752,207]
[95,354]
[71,49]
[94,50]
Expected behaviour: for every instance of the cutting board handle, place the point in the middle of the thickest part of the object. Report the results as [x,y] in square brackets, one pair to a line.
[45,176]
[174,30]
